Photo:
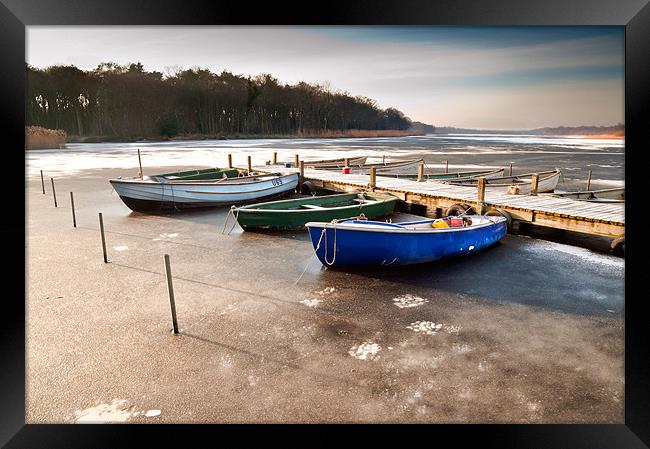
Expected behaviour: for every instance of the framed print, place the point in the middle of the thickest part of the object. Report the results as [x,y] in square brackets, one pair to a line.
[383,214]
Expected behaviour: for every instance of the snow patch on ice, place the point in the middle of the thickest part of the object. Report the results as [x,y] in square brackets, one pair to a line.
[365,351]
[431,328]
[425,327]
[311,302]
[408,300]
[326,291]
[120,248]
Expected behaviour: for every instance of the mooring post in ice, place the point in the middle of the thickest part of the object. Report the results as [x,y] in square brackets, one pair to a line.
[250,165]
[589,180]
[275,158]
[346,161]
[447,166]
[480,196]
[373,178]
[74,218]
[140,164]
[296,160]
[42,182]
[534,184]
[510,172]
[229,160]
[421,171]
[101,231]
[53,192]
[170,289]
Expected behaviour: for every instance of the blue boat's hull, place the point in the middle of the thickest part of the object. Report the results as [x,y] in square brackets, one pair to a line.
[359,247]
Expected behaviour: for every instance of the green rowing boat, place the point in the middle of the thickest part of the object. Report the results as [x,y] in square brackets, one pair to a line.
[294,213]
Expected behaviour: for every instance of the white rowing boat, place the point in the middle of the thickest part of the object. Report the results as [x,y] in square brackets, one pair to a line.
[157,193]
[520,184]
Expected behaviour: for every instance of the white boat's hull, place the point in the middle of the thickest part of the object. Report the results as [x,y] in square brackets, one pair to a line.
[149,195]
[546,183]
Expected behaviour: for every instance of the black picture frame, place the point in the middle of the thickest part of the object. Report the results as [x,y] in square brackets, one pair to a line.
[633,14]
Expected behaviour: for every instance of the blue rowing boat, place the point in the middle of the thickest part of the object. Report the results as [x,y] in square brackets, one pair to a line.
[357,243]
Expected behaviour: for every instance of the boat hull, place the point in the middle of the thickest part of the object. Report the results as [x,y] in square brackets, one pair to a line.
[455,176]
[142,196]
[546,183]
[268,217]
[391,247]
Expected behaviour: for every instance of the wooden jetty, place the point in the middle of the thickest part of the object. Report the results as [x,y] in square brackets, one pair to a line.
[601,219]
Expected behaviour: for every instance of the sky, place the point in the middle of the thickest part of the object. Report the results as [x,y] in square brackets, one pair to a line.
[468,77]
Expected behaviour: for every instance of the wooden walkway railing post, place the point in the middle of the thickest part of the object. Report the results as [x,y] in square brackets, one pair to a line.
[421,171]
[535,184]
[301,178]
[480,200]
[275,158]
[373,178]
[250,165]
[229,160]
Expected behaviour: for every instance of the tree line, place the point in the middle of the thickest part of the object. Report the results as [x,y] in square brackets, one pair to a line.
[129,102]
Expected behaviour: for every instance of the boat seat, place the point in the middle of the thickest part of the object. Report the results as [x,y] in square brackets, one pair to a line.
[311,206]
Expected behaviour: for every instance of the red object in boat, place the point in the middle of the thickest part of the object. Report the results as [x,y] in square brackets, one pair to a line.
[456,222]
[346,170]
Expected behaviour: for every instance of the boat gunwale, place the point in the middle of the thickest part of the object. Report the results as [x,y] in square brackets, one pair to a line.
[488,181]
[250,209]
[493,221]
[220,181]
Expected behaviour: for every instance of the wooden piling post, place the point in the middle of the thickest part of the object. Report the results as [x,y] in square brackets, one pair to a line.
[383,159]
[170,289]
[250,165]
[535,184]
[346,161]
[53,192]
[296,160]
[42,182]
[480,199]
[301,178]
[101,231]
[447,166]
[229,160]
[373,178]
[421,171]
[74,217]
[275,158]
[589,180]
[140,163]
[510,172]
